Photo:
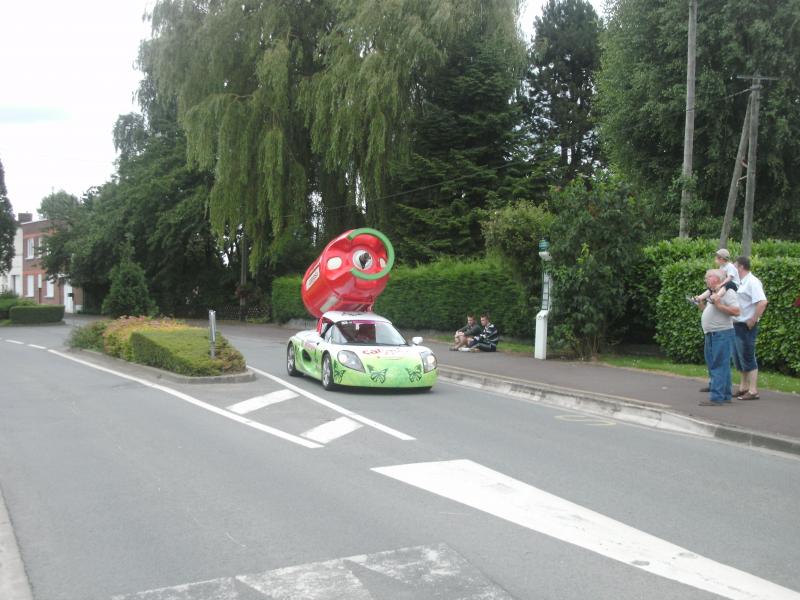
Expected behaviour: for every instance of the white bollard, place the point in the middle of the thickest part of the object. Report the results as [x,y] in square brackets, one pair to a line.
[540,343]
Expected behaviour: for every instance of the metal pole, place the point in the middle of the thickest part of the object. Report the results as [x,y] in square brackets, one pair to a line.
[212,331]
[750,193]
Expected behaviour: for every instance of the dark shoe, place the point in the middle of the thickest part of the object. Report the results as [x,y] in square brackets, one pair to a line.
[749,396]
[739,393]
[704,389]
[710,403]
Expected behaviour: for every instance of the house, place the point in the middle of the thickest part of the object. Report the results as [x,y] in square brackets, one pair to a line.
[35,285]
[12,281]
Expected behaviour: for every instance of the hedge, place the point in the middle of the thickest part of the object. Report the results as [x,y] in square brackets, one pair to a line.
[117,333]
[678,323]
[185,351]
[7,304]
[39,313]
[435,296]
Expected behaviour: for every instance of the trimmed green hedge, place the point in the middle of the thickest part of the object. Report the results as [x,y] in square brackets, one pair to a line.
[435,296]
[286,301]
[678,323]
[38,313]
[185,351]
[7,304]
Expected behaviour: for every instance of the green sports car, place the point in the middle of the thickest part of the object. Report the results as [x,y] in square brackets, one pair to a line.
[361,350]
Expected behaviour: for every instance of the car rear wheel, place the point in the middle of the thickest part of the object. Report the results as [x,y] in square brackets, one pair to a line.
[291,366]
[327,373]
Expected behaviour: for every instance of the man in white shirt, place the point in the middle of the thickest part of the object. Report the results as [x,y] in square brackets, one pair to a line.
[752,304]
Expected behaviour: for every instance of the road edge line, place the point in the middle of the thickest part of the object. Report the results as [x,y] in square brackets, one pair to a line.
[14,583]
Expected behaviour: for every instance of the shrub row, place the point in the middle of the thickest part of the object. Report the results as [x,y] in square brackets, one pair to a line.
[117,334]
[435,296]
[36,313]
[185,351]
[678,323]
[7,304]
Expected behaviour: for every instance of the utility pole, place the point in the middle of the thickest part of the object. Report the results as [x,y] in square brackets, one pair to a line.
[750,190]
[733,191]
[688,131]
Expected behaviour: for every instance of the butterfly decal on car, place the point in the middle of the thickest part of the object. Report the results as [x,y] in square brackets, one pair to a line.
[414,374]
[376,375]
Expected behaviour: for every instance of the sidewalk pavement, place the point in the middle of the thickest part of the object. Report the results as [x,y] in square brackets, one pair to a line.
[772,422]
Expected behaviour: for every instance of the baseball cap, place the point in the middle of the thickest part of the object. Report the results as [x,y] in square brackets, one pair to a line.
[723,253]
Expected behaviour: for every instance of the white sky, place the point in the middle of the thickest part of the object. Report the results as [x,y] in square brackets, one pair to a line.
[66,74]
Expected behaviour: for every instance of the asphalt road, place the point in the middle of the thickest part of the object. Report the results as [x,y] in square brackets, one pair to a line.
[121,490]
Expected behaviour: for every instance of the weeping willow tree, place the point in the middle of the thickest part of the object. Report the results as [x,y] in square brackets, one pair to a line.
[299,108]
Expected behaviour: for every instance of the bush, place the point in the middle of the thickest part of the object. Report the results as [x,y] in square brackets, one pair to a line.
[89,337]
[286,300]
[117,334]
[8,302]
[596,237]
[678,323]
[185,351]
[36,313]
[128,294]
[435,296]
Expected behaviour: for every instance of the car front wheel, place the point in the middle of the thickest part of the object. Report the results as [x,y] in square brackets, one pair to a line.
[291,366]
[327,373]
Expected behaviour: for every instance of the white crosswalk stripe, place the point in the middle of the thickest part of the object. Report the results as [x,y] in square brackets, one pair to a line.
[254,404]
[327,432]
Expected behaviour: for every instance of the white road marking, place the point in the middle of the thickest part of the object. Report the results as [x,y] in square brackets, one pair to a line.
[435,571]
[327,432]
[348,413]
[484,489]
[15,342]
[586,420]
[253,404]
[209,407]
[37,347]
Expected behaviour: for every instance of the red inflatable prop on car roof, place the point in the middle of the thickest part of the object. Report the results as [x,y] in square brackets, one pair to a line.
[350,274]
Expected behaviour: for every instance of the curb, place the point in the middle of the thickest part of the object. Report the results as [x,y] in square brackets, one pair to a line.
[639,412]
[14,584]
[174,377]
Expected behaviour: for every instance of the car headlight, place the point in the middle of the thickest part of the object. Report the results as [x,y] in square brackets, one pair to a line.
[428,361]
[350,360]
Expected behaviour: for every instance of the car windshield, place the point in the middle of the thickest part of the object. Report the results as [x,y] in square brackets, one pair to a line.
[372,333]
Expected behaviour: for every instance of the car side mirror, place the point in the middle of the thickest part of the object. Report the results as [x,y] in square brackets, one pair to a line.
[416,340]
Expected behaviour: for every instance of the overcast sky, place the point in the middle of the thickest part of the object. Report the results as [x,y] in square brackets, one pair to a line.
[66,74]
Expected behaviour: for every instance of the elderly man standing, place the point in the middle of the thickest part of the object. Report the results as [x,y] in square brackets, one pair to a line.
[717,322]
[753,303]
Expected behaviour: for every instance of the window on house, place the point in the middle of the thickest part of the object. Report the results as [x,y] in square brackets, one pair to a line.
[29,248]
[29,286]
[51,289]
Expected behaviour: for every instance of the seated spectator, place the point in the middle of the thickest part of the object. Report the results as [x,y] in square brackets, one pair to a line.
[464,335]
[486,340]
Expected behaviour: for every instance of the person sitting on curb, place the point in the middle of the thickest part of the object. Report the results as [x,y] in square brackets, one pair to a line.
[486,340]
[464,335]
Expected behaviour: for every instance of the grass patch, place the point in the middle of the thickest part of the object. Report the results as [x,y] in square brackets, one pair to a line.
[185,351]
[777,382]
[88,337]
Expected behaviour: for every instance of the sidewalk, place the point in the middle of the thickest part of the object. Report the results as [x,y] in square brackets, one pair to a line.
[772,422]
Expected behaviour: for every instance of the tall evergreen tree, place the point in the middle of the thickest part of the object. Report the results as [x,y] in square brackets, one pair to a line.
[564,60]
[642,94]
[8,226]
[465,150]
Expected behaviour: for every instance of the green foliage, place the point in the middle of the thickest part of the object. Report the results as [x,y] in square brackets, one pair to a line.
[117,333]
[37,313]
[513,233]
[642,94]
[128,294]
[678,323]
[286,300]
[595,239]
[88,337]
[185,351]
[8,226]
[304,106]
[7,302]
[447,289]
[439,295]
[564,60]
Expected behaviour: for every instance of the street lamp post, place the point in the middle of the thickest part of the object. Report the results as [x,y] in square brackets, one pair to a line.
[540,341]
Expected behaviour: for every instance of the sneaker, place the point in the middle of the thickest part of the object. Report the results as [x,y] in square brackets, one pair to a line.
[691,300]
[704,389]
[465,349]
